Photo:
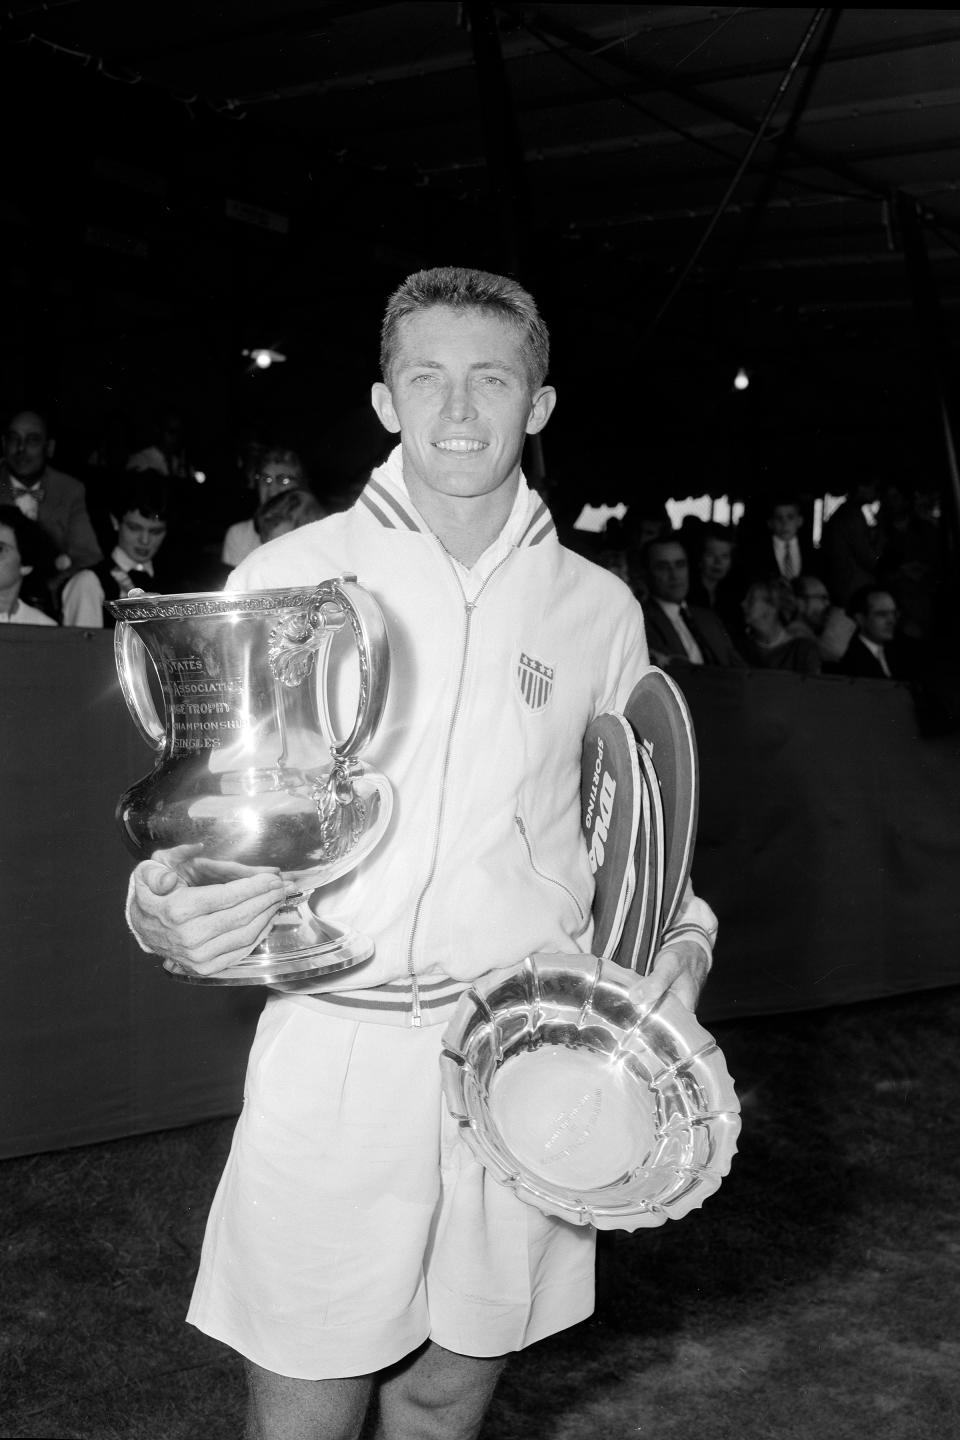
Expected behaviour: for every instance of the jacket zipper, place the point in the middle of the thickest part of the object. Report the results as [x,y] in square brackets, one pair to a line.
[416,1018]
[550,879]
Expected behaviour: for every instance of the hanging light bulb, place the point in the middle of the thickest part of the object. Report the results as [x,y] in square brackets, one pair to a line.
[263,357]
[741,380]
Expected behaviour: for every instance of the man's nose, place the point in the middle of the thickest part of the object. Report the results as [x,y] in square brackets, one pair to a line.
[458,402]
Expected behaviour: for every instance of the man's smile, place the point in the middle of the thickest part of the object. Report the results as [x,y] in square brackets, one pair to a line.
[460,446]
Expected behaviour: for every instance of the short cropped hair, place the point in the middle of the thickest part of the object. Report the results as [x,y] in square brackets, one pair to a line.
[146,491]
[859,601]
[646,551]
[460,289]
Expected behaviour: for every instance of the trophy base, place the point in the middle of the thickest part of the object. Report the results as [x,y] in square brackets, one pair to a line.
[297,950]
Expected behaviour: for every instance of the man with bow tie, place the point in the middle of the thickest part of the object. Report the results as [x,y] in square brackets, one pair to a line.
[56,501]
[140,519]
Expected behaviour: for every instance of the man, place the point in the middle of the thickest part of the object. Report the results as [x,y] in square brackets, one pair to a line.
[875,651]
[852,543]
[353,1235]
[676,630]
[20,546]
[819,620]
[55,500]
[139,515]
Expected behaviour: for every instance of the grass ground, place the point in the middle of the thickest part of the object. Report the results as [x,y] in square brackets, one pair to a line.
[815,1295]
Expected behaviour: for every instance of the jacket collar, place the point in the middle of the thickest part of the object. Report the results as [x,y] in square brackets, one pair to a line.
[386,497]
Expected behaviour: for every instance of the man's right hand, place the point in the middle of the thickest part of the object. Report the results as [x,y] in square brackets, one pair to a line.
[204,914]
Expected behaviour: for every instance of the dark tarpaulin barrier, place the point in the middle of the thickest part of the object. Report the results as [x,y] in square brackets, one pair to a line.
[829,846]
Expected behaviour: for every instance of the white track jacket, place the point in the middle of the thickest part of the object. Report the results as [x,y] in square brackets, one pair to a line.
[496,673]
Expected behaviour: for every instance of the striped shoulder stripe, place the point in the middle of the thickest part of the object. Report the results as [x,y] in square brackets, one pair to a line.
[540,527]
[389,509]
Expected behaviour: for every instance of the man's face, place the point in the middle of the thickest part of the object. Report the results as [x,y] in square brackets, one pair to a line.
[879,621]
[785,521]
[716,560]
[11,569]
[27,447]
[813,604]
[140,536]
[669,572]
[460,399]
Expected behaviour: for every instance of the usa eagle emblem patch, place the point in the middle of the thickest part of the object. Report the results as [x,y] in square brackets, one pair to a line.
[536,682]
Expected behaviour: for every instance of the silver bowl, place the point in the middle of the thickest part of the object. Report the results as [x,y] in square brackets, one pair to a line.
[584,1098]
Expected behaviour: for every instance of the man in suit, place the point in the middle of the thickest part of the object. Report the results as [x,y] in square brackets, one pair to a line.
[875,653]
[54,500]
[676,630]
[781,553]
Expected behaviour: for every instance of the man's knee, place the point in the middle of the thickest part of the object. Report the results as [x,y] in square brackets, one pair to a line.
[437,1395]
[283,1408]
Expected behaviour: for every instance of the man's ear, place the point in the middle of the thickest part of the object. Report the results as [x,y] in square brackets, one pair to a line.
[541,408]
[115,523]
[51,445]
[25,570]
[382,401]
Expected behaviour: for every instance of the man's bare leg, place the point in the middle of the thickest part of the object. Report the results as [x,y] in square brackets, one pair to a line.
[281,1408]
[437,1395]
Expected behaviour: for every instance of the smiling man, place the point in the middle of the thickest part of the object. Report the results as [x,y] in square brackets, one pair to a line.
[354,1240]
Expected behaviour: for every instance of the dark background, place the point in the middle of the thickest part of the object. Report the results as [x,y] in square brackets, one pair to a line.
[585,148]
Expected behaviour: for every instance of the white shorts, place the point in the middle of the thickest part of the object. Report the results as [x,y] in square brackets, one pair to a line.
[352,1222]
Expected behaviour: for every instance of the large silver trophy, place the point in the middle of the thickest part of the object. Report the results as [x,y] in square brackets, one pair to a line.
[249,769]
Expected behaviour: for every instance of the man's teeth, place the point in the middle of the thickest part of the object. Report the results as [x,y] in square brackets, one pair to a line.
[462,446]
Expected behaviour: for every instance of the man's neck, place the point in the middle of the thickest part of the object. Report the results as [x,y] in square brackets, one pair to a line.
[466,526]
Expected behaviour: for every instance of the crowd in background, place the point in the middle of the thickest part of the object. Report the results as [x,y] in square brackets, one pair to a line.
[871,600]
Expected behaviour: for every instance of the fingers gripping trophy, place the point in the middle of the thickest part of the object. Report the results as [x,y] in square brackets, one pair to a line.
[251,775]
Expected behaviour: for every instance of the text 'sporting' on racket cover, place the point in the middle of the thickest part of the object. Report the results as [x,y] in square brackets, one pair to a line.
[610,800]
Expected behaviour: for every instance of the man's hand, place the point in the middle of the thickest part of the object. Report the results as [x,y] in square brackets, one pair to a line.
[205,914]
[680,968]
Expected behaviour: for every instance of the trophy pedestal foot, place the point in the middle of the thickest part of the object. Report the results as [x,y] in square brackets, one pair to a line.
[296,951]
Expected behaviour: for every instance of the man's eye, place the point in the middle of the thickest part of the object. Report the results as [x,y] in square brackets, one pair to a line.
[492,380]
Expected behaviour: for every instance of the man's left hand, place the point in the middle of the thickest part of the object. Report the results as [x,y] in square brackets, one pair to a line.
[680,968]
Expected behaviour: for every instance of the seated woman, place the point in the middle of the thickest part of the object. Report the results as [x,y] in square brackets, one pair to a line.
[768,645]
[712,581]
[25,553]
[139,515]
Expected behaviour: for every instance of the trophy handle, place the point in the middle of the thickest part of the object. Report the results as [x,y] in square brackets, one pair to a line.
[293,645]
[131,654]
[370,633]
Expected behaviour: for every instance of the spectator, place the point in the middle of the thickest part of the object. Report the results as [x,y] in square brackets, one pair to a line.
[675,630]
[780,551]
[644,521]
[911,565]
[818,619]
[21,542]
[852,544]
[876,652]
[769,645]
[139,516]
[280,469]
[712,585]
[55,500]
